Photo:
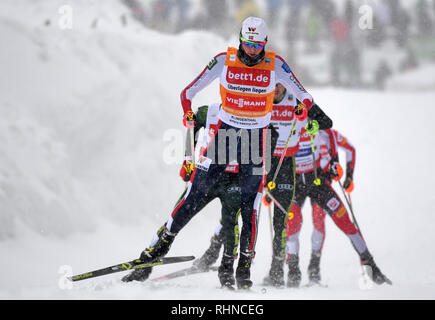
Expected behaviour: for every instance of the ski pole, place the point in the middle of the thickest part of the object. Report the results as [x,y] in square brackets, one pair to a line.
[298,117]
[365,273]
[275,201]
[269,208]
[350,207]
[190,144]
[316,181]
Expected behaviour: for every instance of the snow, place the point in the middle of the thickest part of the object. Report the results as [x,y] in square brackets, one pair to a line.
[86,119]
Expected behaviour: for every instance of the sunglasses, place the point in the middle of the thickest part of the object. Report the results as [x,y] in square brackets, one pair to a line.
[251,44]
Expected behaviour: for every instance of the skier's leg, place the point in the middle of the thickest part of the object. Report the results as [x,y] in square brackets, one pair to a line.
[317,240]
[212,253]
[230,199]
[204,176]
[331,203]
[294,225]
[284,194]
[251,180]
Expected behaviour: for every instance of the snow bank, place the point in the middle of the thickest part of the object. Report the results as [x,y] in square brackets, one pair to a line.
[84,112]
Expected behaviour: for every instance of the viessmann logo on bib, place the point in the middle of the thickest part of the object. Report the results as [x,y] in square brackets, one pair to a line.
[243,76]
[245,102]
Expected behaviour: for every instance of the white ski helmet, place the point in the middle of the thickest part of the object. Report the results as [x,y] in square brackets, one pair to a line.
[254,29]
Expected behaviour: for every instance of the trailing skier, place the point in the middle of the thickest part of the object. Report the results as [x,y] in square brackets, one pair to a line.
[325,197]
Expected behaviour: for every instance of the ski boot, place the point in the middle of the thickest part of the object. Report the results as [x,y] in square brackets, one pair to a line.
[276,273]
[210,255]
[374,272]
[314,268]
[151,254]
[243,271]
[141,275]
[294,273]
[226,272]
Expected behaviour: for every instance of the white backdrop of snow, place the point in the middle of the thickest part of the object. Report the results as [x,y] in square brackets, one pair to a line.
[83,182]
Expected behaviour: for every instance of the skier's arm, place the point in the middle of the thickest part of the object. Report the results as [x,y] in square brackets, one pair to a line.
[210,73]
[349,149]
[336,171]
[200,122]
[316,113]
[344,143]
[285,76]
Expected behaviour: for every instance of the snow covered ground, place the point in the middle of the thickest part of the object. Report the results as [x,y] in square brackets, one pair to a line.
[88,117]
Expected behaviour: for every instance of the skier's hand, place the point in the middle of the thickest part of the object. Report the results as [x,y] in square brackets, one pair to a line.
[336,170]
[312,127]
[267,200]
[189,119]
[186,170]
[301,112]
[348,183]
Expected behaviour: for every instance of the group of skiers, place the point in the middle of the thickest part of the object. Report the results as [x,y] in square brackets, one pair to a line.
[265,114]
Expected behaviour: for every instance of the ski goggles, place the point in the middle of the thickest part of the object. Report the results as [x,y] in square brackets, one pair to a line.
[252,44]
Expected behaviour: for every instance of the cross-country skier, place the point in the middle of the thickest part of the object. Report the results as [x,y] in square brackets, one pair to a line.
[326,198]
[247,78]
[318,215]
[284,121]
[289,129]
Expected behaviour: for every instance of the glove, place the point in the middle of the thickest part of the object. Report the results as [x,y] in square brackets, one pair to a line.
[301,112]
[267,200]
[189,119]
[348,183]
[312,127]
[336,170]
[186,170]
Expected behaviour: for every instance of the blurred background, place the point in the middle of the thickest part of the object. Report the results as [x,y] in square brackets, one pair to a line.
[345,43]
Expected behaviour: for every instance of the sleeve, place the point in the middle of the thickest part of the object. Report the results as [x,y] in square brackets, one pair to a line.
[349,149]
[285,76]
[210,73]
[333,150]
[317,114]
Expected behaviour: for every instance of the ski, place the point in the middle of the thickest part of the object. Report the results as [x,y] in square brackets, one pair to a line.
[184,272]
[134,264]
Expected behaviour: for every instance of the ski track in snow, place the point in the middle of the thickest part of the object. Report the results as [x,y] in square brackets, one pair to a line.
[83,182]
